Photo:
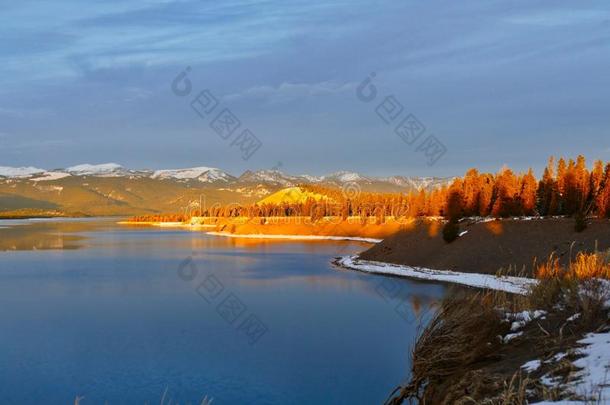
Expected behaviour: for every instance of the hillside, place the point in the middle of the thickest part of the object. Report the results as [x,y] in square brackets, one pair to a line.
[488,246]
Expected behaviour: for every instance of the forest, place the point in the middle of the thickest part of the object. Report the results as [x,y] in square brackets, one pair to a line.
[567,188]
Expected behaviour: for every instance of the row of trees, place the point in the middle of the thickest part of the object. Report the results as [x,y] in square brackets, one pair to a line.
[566,188]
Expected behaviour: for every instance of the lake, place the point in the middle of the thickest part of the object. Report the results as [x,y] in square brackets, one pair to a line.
[126,315]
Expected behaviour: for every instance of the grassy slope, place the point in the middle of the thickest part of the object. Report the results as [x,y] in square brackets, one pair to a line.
[10,202]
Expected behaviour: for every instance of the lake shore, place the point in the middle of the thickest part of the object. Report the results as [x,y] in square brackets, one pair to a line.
[330,228]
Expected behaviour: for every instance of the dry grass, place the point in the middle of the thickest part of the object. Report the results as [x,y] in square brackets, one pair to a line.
[576,288]
[463,331]
[585,266]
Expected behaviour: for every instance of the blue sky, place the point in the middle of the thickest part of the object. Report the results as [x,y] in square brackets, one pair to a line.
[496,82]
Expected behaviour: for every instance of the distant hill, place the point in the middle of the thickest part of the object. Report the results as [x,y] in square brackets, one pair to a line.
[110,189]
[292,195]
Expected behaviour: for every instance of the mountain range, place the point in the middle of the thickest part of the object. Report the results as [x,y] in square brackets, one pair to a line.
[111,189]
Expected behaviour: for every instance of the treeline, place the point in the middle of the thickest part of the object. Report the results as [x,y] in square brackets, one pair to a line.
[566,188]
[337,203]
[160,218]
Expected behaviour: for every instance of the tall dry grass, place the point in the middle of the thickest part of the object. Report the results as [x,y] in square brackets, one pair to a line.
[585,266]
[463,331]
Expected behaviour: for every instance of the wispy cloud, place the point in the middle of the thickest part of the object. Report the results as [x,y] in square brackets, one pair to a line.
[558,18]
[291,91]
[98,73]
[10,143]
[25,112]
[136,94]
[148,33]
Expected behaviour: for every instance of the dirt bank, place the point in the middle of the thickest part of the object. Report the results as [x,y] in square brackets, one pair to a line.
[489,246]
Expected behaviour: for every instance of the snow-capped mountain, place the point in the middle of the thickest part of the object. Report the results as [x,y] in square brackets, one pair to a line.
[272,177]
[19,172]
[111,189]
[261,179]
[202,174]
[345,177]
[414,182]
[311,179]
[105,169]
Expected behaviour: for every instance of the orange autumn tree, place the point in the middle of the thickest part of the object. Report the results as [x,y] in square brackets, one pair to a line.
[506,192]
[527,194]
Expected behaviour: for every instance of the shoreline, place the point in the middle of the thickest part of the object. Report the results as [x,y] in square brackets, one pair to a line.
[251,235]
[288,228]
[296,237]
[166,224]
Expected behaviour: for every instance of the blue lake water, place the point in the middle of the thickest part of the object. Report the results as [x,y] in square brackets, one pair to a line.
[120,315]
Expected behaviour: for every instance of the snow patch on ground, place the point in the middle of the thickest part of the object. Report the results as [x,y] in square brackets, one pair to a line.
[573,317]
[516,285]
[531,366]
[518,320]
[511,336]
[595,374]
[593,379]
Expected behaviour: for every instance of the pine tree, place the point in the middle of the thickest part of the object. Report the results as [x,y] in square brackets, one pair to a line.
[548,194]
[455,201]
[471,188]
[486,195]
[506,195]
[527,196]
[603,197]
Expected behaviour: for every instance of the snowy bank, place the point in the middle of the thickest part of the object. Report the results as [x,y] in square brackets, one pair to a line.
[516,285]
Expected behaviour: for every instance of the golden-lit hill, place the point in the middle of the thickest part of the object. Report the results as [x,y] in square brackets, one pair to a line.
[292,195]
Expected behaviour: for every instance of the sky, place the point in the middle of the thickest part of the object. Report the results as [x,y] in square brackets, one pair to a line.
[495,83]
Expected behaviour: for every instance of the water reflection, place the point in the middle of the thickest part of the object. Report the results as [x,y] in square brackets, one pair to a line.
[38,235]
[102,312]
